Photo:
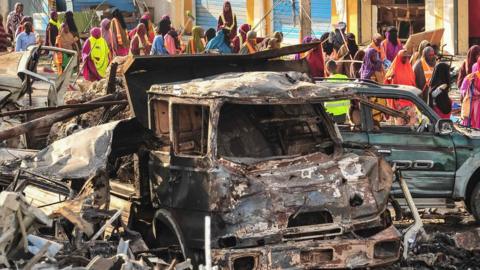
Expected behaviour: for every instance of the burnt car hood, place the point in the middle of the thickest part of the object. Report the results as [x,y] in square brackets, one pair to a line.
[267,198]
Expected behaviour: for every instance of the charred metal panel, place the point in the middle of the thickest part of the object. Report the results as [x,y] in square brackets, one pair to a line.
[143,72]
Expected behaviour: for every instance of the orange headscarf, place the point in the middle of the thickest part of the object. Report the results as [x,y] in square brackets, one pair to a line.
[400,73]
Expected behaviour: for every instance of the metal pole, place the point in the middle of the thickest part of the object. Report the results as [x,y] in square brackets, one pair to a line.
[208,250]
[417,226]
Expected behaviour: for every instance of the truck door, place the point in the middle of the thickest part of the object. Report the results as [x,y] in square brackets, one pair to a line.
[426,159]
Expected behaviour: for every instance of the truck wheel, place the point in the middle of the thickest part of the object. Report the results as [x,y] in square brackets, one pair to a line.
[475,202]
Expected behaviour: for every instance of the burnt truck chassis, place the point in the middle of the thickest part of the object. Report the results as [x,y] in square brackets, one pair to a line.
[321,210]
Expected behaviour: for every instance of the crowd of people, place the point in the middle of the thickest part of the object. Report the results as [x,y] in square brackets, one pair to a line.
[338,56]
[386,61]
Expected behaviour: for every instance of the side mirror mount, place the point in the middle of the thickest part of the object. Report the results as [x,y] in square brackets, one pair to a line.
[444,126]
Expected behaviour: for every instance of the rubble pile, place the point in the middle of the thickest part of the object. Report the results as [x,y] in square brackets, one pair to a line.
[444,250]
[95,117]
[75,235]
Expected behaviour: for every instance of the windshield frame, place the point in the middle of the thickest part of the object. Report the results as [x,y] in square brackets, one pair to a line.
[333,133]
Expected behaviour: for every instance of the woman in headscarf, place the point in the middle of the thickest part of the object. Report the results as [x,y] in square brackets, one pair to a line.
[423,70]
[347,52]
[316,63]
[65,40]
[119,34]
[305,40]
[228,20]
[211,33]
[158,45]
[241,37]
[164,25]
[466,68]
[439,87]
[250,45]
[52,29]
[401,73]
[471,101]
[372,66]
[25,39]
[418,54]
[220,43]
[355,67]
[70,21]
[172,43]
[4,42]
[72,26]
[392,45]
[139,44]
[107,34]
[13,19]
[95,54]
[195,44]
[327,47]
[145,21]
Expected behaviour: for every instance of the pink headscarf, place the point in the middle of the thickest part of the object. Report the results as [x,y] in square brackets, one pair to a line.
[96,32]
[106,34]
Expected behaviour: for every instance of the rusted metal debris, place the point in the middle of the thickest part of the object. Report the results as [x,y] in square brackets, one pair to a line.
[48,120]
[469,240]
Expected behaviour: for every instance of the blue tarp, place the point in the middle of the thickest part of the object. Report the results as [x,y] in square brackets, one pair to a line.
[79,5]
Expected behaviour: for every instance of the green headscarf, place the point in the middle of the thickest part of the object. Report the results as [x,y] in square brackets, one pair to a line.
[196,41]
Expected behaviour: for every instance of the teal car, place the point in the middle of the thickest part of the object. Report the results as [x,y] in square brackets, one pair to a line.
[438,159]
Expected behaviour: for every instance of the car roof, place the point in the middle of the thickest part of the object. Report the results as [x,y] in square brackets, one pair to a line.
[273,85]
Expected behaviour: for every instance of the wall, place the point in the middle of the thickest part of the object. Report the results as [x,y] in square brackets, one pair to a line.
[440,14]
[352,10]
[366,21]
[4,10]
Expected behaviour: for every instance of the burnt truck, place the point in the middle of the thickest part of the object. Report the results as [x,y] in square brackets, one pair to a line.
[248,144]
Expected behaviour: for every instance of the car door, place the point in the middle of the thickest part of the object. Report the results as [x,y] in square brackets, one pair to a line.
[426,159]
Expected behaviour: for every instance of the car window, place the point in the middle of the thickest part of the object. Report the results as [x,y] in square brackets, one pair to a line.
[271,131]
[405,116]
[345,113]
[190,129]
[160,122]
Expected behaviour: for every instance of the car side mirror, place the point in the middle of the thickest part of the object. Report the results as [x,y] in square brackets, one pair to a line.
[444,126]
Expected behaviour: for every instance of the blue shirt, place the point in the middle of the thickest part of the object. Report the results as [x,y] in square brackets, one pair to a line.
[158,46]
[24,40]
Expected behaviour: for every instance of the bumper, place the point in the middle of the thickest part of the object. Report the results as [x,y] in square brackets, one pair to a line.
[380,249]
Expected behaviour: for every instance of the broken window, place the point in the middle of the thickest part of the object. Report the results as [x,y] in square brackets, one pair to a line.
[160,122]
[412,120]
[263,131]
[160,119]
[190,125]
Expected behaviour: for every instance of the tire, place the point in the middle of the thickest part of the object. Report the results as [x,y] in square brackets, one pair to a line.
[475,202]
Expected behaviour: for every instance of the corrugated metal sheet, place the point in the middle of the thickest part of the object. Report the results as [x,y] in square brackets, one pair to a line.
[207,12]
[286,17]
[321,17]
[79,5]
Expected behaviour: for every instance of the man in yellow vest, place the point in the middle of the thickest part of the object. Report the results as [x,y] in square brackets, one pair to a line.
[339,108]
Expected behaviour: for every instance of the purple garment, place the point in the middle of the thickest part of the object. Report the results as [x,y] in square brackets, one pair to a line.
[306,40]
[392,50]
[464,87]
[370,67]
[89,72]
